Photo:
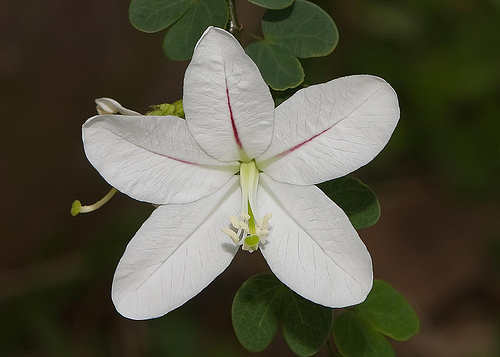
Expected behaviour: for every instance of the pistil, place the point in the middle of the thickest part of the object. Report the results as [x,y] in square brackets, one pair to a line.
[77,207]
[248,231]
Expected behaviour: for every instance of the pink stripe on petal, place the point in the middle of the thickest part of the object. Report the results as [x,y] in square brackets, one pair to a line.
[302,143]
[233,124]
[179,160]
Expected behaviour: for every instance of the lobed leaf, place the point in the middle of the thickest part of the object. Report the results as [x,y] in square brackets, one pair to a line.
[156,15]
[300,30]
[263,301]
[355,337]
[357,200]
[256,311]
[272,4]
[182,37]
[304,30]
[389,312]
[306,325]
[279,69]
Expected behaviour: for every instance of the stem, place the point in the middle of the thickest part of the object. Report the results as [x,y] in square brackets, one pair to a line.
[234,26]
[329,347]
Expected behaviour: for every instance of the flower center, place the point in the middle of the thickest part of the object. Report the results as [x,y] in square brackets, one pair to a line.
[246,230]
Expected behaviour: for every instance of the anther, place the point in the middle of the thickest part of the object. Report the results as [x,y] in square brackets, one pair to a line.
[235,221]
[232,234]
[245,216]
[265,221]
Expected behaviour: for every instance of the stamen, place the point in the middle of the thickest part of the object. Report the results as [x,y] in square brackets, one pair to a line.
[244,226]
[232,234]
[264,223]
[250,232]
[235,221]
[77,207]
[249,235]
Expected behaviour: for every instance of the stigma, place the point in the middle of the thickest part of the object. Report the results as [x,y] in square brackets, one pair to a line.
[246,230]
[77,207]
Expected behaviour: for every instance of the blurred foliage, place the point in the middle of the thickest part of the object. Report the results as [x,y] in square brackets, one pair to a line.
[443,60]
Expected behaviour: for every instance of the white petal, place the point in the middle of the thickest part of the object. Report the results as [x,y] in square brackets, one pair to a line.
[228,106]
[329,130]
[152,159]
[111,106]
[176,253]
[312,247]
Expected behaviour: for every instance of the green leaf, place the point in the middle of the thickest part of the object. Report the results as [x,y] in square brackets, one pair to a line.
[300,30]
[272,4]
[156,15]
[355,337]
[304,30]
[356,199]
[184,34]
[279,69]
[389,312]
[306,325]
[256,311]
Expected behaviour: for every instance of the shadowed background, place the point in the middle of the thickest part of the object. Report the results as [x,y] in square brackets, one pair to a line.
[437,180]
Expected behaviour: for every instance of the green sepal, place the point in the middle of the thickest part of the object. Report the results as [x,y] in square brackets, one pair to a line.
[355,198]
[175,109]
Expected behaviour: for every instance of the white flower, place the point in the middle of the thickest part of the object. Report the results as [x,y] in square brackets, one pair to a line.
[207,210]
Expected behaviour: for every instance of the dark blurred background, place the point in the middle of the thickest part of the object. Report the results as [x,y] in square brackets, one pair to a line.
[437,241]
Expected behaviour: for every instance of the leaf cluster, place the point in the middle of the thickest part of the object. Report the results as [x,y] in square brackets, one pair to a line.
[263,303]
[292,29]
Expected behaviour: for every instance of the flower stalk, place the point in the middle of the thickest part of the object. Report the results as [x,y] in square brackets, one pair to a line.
[234,26]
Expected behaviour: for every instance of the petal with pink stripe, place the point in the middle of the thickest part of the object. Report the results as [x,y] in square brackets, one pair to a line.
[153,158]
[228,106]
[329,130]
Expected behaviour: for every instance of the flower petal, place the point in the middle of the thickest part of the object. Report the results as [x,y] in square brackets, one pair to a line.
[176,253]
[152,159]
[312,247]
[329,130]
[228,106]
